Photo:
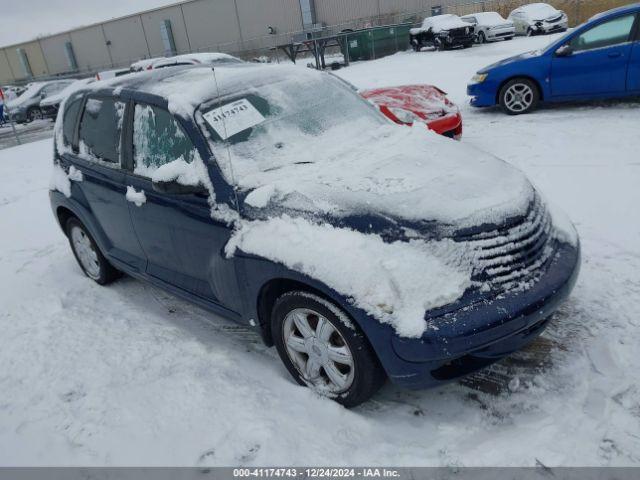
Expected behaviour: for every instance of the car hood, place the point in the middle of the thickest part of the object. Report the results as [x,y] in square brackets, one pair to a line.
[514,59]
[395,177]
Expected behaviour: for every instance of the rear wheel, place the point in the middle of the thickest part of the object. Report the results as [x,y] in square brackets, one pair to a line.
[88,255]
[518,96]
[323,350]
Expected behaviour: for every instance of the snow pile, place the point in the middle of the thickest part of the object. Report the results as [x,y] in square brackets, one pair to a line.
[138,198]
[395,282]
[439,23]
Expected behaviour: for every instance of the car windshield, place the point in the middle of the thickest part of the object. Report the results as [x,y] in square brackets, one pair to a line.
[280,124]
[489,18]
[540,11]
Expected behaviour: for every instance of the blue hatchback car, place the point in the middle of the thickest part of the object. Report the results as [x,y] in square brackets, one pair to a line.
[599,59]
[277,197]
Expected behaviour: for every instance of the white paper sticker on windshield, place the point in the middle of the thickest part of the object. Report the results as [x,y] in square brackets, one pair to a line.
[233,118]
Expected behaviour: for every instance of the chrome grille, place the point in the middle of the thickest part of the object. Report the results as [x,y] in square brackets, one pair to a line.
[514,253]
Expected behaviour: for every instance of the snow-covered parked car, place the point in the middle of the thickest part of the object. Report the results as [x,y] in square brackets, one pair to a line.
[490,26]
[427,104]
[144,64]
[26,107]
[538,18]
[49,105]
[283,200]
[206,58]
[442,32]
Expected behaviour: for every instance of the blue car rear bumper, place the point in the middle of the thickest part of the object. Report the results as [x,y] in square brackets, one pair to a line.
[478,334]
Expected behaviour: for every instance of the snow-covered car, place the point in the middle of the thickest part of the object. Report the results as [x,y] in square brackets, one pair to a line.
[490,26]
[442,32]
[210,58]
[144,64]
[26,107]
[427,104]
[108,74]
[283,200]
[49,105]
[538,18]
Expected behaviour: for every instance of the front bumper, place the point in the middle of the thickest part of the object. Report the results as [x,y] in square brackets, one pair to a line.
[49,111]
[483,94]
[457,41]
[477,335]
[449,125]
[498,34]
[544,27]
[18,116]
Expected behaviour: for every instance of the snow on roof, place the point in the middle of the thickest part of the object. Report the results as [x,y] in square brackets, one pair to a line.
[207,58]
[71,88]
[488,19]
[538,11]
[438,23]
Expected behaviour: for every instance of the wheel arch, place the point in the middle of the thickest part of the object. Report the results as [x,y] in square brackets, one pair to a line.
[270,292]
[63,214]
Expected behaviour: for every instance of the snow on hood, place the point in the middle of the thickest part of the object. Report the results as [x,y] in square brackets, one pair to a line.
[32,91]
[442,22]
[405,173]
[515,58]
[60,96]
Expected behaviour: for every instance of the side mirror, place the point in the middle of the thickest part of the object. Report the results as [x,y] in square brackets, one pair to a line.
[564,51]
[175,188]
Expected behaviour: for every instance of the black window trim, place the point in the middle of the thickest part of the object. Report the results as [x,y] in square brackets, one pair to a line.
[76,147]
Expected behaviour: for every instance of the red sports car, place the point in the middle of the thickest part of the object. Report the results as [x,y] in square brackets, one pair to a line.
[426,103]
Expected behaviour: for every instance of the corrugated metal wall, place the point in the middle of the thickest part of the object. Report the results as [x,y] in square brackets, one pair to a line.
[225,25]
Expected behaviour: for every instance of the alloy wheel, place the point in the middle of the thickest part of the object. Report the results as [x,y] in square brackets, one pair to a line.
[85,252]
[318,350]
[518,97]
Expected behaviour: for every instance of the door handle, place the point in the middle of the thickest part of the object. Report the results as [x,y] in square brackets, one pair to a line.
[139,198]
[615,54]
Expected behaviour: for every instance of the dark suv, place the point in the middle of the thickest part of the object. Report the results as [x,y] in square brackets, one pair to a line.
[277,197]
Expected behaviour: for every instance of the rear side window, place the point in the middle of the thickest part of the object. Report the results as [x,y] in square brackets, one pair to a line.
[158,140]
[70,118]
[100,128]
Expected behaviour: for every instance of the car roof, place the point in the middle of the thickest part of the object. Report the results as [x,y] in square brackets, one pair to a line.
[192,86]
[619,10]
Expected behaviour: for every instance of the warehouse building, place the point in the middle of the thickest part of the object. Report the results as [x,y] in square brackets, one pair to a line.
[242,27]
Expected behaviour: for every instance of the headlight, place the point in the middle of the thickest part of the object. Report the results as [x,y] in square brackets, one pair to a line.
[405,116]
[479,77]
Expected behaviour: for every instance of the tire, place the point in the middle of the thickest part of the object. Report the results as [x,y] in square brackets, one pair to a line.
[518,96]
[481,38]
[34,113]
[88,255]
[439,44]
[508,38]
[529,32]
[306,329]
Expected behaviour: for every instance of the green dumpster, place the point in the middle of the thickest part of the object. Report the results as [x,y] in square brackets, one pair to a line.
[377,42]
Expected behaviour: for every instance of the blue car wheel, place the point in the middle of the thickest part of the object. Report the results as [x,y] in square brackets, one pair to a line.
[518,96]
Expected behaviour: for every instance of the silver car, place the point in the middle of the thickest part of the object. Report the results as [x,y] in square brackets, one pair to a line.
[538,18]
[490,26]
[26,107]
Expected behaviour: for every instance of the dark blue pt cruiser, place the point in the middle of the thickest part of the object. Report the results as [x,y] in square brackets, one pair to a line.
[157,172]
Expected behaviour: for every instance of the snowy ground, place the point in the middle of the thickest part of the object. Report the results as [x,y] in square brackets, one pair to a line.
[26,132]
[129,375]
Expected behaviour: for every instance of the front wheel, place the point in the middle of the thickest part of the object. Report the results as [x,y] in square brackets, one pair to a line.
[88,255]
[518,96]
[324,350]
[34,113]
[481,38]
[529,32]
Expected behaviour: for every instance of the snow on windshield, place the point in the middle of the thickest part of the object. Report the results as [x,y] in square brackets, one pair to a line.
[489,18]
[539,11]
[443,22]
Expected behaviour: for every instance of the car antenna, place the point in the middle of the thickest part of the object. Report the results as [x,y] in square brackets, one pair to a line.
[224,126]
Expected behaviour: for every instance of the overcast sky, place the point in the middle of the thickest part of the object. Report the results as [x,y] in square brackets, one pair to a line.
[22,20]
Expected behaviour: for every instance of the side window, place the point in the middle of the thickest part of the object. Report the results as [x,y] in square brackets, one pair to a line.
[100,128]
[158,140]
[69,120]
[607,34]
